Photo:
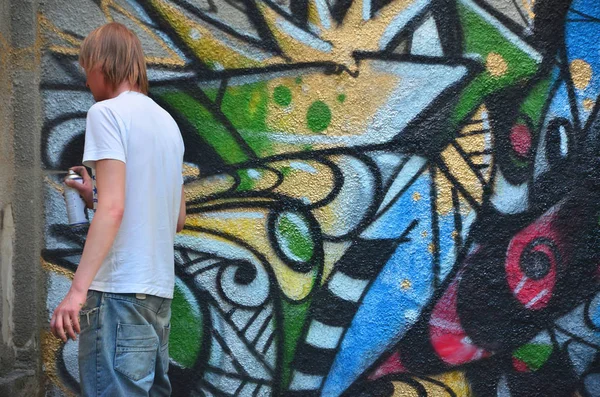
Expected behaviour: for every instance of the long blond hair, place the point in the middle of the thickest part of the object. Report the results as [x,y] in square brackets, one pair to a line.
[119,54]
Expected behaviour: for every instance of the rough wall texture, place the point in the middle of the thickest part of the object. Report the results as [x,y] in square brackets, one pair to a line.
[21,200]
[386,197]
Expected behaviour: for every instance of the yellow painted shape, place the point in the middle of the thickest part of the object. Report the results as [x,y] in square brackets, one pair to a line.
[315,18]
[354,33]
[59,187]
[364,96]
[443,187]
[332,217]
[47,28]
[461,171]
[253,231]
[209,186]
[528,6]
[431,248]
[454,380]
[209,46]
[496,65]
[190,170]
[301,184]
[333,252]
[50,350]
[581,73]
[459,168]
[472,143]
[296,50]
[266,180]
[588,104]
[457,381]
[51,267]
[479,142]
[444,196]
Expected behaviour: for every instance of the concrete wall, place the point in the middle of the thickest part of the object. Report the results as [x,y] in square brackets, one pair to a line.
[22,291]
[385,197]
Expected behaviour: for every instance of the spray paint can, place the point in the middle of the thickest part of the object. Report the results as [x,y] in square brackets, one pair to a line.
[75,203]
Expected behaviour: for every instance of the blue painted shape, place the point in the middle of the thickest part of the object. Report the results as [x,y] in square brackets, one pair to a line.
[388,309]
[582,31]
[394,221]
[594,313]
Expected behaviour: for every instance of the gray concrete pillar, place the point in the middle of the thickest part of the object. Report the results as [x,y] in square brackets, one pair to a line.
[21,217]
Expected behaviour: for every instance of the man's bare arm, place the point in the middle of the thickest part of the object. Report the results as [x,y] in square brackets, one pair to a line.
[110,183]
[181,218]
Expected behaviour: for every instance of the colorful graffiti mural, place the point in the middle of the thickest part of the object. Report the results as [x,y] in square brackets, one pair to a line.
[385,197]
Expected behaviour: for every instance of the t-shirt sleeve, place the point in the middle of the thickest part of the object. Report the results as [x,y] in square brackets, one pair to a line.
[103,137]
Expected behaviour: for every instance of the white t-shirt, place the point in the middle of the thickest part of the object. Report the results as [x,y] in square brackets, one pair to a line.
[133,129]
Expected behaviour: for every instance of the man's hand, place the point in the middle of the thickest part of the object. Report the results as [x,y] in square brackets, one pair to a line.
[85,189]
[65,320]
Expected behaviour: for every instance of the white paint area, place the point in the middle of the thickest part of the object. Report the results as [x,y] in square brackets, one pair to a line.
[323,336]
[400,22]
[412,167]
[347,288]
[508,198]
[426,40]
[536,298]
[302,381]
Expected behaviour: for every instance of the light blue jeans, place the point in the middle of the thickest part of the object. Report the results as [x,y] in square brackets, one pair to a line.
[124,345]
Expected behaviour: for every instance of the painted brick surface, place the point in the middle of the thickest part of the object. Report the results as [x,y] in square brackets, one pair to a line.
[385,198]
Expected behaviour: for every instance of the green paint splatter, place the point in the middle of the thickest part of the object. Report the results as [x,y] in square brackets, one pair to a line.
[299,243]
[286,170]
[212,93]
[483,38]
[246,181]
[211,130]
[318,116]
[534,103]
[246,106]
[282,95]
[518,162]
[259,141]
[341,98]
[533,355]
[294,316]
[186,330]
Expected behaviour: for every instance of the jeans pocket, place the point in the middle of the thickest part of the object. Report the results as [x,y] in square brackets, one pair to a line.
[136,350]
[87,317]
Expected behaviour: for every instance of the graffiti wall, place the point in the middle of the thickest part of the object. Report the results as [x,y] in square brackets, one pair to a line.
[385,197]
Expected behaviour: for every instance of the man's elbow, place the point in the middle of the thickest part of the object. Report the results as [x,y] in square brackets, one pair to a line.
[113,212]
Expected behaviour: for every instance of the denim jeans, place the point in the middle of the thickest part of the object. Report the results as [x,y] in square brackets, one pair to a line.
[124,345]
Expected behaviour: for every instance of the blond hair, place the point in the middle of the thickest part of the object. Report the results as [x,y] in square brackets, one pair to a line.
[118,52]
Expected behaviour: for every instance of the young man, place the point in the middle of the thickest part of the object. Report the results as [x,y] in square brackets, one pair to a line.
[120,298]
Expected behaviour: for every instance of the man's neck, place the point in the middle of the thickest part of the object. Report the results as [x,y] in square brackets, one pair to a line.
[124,86]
